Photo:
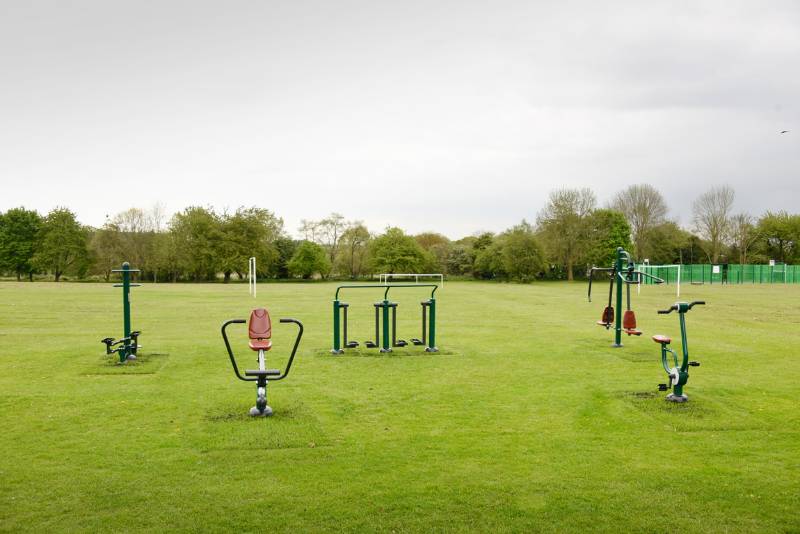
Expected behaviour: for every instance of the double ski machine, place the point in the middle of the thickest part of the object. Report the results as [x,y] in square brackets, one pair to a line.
[385,328]
[622,272]
[126,346]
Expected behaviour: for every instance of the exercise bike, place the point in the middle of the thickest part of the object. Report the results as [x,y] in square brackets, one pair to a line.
[260,333]
[678,373]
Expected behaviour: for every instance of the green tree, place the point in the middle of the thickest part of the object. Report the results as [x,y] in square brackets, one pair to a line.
[351,258]
[563,225]
[19,232]
[667,243]
[250,232]
[197,238]
[489,261]
[62,244]
[460,260]
[780,233]
[396,252]
[107,250]
[286,248]
[608,229]
[522,257]
[437,248]
[308,260]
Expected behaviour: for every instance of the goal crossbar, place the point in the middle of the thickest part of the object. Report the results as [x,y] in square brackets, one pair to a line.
[383,278]
[654,269]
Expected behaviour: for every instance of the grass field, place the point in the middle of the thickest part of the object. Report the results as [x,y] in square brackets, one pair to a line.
[525,421]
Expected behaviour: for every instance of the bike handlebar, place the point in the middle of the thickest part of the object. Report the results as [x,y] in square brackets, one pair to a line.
[233,360]
[676,307]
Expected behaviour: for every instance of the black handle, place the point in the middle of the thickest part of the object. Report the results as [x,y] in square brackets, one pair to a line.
[294,349]
[670,310]
[696,302]
[230,352]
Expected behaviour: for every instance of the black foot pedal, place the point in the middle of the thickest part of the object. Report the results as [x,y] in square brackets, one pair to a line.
[352,344]
[370,344]
[694,364]
[401,343]
[417,342]
[662,387]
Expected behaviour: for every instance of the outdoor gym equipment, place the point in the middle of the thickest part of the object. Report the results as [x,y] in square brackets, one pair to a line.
[385,329]
[129,342]
[623,271]
[678,376]
[260,334]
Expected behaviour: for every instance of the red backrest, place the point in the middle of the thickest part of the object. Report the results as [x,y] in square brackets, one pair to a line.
[629,320]
[260,327]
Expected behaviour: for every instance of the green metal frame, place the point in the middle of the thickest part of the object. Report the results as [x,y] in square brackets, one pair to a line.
[682,368]
[129,342]
[623,272]
[385,305]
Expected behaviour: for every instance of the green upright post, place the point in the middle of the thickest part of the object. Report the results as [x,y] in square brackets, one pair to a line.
[385,315]
[337,346]
[618,315]
[432,327]
[126,305]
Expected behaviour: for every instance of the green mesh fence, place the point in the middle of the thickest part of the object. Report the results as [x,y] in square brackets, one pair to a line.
[720,274]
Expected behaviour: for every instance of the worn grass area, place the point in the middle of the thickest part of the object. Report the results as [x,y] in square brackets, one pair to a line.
[526,421]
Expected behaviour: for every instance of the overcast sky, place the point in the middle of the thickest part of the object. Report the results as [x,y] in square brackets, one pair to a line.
[445,116]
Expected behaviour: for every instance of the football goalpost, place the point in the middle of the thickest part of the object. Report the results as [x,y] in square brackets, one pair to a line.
[383,278]
[662,271]
[251,276]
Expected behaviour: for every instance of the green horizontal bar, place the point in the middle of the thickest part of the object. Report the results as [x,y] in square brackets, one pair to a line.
[386,286]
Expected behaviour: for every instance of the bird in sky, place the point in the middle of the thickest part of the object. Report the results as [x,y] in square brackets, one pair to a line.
[784,131]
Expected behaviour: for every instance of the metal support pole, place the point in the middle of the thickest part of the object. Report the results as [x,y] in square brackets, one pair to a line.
[337,347]
[344,326]
[620,283]
[126,308]
[424,322]
[394,325]
[432,327]
[385,316]
[377,324]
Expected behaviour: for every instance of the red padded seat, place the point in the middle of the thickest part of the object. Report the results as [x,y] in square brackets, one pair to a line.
[260,330]
[629,320]
[658,338]
[632,331]
[601,323]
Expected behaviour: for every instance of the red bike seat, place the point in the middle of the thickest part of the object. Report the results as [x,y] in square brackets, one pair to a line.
[658,338]
[260,329]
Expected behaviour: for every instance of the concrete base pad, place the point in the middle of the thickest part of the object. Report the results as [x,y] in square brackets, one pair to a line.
[676,398]
[255,412]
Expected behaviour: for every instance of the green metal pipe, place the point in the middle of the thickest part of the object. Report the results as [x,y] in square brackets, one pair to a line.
[337,346]
[432,327]
[385,317]
[385,294]
[618,315]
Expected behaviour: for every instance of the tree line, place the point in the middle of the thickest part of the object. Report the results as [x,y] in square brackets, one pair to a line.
[570,233]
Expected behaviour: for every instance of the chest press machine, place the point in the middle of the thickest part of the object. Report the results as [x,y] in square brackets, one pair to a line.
[259,332]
